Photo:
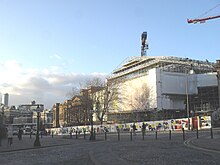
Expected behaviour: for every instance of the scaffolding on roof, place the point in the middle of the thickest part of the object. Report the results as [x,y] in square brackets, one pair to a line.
[170,64]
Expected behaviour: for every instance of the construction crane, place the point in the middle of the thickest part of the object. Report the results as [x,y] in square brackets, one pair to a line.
[144,44]
[202,20]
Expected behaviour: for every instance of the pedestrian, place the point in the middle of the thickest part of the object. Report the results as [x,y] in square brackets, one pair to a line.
[41,134]
[150,127]
[143,128]
[134,128]
[20,132]
[84,130]
[10,136]
[77,131]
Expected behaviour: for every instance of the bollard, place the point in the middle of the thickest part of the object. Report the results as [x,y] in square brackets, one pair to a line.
[142,135]
[52,134]
[105,135]
[211,133]
[118,135]
[70,135]
[197,133]
[156,134]
[131,135]
[183,133]
[94,134]
[76,135]
[169,134]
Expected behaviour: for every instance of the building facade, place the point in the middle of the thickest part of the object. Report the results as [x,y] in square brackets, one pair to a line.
[55,110]
[163,87]
[5,99]
[78,110]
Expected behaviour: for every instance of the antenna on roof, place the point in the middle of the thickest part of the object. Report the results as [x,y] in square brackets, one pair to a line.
[144,44]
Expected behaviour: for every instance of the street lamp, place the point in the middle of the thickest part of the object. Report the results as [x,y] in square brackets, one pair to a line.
[187,102]
[92,132]
[187,97]
[37,140]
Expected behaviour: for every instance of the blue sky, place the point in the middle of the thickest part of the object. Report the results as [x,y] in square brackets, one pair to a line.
[57,43]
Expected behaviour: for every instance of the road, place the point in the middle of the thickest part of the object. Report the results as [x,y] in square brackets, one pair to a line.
[123,151]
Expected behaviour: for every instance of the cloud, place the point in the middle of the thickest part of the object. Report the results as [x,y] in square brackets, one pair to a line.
[45,86]
[56,56]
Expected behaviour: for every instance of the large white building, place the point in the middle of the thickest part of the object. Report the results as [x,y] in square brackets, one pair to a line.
[166,86]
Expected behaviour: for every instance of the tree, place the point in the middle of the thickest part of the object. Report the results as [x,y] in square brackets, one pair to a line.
[74,91]
[105,99]
[137,100]
[95,82]
[141,98]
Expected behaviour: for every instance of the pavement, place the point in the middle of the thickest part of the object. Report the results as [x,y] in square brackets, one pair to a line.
[203,142]
[115,150]
[28,143]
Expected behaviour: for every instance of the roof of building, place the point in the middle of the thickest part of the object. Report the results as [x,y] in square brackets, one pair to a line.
[167,63]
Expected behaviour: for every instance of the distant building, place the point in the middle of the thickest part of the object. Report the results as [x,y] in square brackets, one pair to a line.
[23,114]
[46,119]
[5,99]
[77,110]
[10,113]
[30,107]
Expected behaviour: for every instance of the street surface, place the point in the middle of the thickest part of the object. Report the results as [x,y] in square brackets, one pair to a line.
[116,150]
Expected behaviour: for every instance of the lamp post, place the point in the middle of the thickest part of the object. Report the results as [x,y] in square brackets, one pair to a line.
[187,101]
[37,140]
[187,97]
[44,120]
[92,132]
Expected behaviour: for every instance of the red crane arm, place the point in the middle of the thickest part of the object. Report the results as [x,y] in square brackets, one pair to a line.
[202,20]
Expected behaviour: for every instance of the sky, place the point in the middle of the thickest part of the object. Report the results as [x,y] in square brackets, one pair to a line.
[49,46]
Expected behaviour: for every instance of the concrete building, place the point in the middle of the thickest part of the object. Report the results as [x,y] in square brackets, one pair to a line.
[46,119]
[30,107]
[5,99]
[164,87]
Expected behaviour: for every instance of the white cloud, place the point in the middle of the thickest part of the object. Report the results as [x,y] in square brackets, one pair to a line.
[46,86]
[56,56]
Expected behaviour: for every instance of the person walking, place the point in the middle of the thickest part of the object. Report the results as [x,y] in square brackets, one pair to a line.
[20,132]
[134,128]
[143,127]
[10,135]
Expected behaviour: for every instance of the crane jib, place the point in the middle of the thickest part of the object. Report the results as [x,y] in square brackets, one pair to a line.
[202,20]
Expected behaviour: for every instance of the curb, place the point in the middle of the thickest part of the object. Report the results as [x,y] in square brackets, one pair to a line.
[190,144]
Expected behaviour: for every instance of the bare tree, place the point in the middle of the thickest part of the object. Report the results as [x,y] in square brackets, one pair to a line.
[95,82]
[75,91]
[106,99]
[141,98]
